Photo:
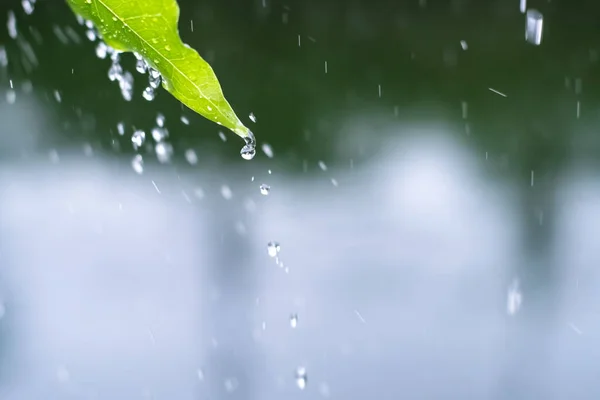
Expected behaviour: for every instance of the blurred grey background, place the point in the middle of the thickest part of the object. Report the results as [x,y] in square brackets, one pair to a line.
[434,195]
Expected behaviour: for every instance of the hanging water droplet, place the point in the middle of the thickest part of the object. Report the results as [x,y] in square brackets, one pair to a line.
[301,378]
[191,156]
[115,71]
[141,66]
[126,86]
[138,138]
[153,78]
[534,26]
[101,50]
[91,35]
[252,117]
[294,320]
[267,149]
[249,150]
[3,57]
[137,163]
[265,189]
[149,94]
[163,151]
[273,249]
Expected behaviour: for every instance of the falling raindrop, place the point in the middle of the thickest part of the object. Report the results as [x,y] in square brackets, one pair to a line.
[11,24]
[265,189]
[267,149]
[200,374]
[126,85]
[153,78]
[323,166]
[191,156]
[91,35]
[301,378]
[514,298]
[101,50]
[252,117]
[199,193]
[11,96]
[231,384]
[534,27]
[163,151]
[324,389]
[3,57]
[62,374]
[160,120]
[137,163]
[141,66]
[185,120]
[159,134]
[28,6]
[138,138]
[121,128]
[226,192]
[294,320]
[149,94]
[222,136]
[273,249]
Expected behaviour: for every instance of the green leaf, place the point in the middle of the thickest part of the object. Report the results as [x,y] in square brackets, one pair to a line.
[149,28]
